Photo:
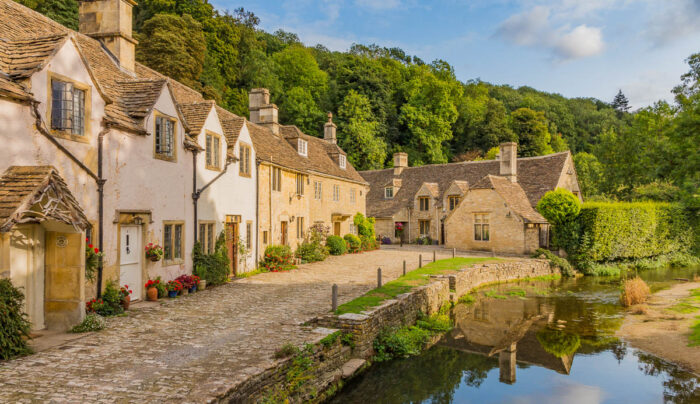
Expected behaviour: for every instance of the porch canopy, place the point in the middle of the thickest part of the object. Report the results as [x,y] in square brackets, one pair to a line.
[35,194]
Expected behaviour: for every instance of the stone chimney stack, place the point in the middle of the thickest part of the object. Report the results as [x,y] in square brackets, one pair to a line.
[261,111]
[109,21]
[508,157]
[329,130]
[400,162]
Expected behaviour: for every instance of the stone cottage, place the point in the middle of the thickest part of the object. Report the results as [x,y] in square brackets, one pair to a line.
[445,203]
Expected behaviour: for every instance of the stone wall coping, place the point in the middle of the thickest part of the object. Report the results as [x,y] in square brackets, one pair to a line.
[353,316]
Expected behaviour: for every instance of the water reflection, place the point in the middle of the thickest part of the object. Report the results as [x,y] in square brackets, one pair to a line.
[532,342]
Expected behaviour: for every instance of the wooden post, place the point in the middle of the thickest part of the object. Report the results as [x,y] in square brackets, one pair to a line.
[404,267]
[434,252]
[379,277]
[334,297]
[454,250]
[420,261]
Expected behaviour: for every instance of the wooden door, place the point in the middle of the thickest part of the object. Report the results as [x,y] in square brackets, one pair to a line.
[130,252]
[336,228]
[284,233]
[232,234]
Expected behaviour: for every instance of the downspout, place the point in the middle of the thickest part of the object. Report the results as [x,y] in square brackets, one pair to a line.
[269,194]
[257,212]
[195,195]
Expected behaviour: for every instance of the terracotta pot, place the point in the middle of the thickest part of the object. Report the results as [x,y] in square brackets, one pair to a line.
[202,285]
[152,294]
[127,301]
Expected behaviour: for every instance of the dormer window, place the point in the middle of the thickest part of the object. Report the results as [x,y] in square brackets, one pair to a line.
[213,154]
[342,161]
[164,138]
[303,147]
[388,193]
[68,102]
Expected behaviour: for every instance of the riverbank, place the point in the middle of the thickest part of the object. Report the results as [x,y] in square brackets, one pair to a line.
[662,326]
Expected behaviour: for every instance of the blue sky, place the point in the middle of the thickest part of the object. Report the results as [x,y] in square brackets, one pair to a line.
[579,48]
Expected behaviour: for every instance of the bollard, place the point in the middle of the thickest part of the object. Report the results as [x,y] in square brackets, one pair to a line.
[404,267]
[420,261]
[434,255]
[453,252]
[334,297]
[379,277]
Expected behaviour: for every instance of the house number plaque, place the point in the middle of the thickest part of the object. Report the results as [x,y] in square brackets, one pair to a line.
[61,242]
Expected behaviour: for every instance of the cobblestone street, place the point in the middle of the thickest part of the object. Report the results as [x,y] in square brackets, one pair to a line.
[196,347]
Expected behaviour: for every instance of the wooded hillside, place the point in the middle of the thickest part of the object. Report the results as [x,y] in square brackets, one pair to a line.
[385,101]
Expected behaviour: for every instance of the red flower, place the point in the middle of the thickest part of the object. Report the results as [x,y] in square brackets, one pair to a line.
[97,250]
[90,246]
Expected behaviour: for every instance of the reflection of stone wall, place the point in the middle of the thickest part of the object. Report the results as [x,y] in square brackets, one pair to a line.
[427,299]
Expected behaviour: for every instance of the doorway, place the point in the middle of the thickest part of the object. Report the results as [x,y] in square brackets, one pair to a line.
[232,235]
[336,228]
[284,233]
[130,260]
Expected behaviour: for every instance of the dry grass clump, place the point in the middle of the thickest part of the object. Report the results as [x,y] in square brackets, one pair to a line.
[639,309]
[634,291]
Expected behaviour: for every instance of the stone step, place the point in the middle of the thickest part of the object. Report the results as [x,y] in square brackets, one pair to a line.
[352,366]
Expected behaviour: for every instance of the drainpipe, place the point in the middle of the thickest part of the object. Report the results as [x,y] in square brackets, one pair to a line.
[195,195]
[269,194]
[257,211]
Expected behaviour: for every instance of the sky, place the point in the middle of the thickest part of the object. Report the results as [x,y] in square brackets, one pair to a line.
[578,48]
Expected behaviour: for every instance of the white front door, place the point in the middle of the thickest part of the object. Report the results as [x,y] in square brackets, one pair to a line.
[130,260]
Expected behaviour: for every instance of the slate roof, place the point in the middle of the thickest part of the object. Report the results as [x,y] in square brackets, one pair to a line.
[21,188]
[139,96]
[196,114]
[231,123]
[536,176]
[514,196]
[21,58]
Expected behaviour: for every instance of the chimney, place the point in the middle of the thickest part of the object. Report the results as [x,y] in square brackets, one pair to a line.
[508,157]
[329,130]
[261,111]
[400,162]
[109,21]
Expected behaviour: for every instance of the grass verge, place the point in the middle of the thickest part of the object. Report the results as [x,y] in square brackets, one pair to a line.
[418,277]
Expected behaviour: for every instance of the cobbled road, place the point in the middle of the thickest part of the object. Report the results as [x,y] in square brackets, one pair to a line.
[196,347]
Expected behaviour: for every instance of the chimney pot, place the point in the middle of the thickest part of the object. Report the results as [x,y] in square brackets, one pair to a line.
[508,157]
[261,111]
[400,162]
[109,21]
[329,130]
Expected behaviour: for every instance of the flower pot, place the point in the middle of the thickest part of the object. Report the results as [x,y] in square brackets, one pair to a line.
[193,289]
[126,301]
[202,285]
[152,294]
[172,294]
[184,292]
[154,258]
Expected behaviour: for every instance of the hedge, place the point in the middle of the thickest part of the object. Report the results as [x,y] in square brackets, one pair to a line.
[613,231]
[14,325]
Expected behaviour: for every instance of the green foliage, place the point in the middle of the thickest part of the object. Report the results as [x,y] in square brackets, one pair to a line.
[559,206]
[365,225]
[299,371]
[286,351]
[277,258]
[354,243]
[312,249]
[173,45]
[368,243]
[467,299]
[336,245]
[359,133]
[694,337]
[407,341]
[590,173]
[92,322]
[111,302]
[213,268]
[555,261]
[14,325]
[530,128]
[330,339]
[62,11]
[557,342]
[657,190]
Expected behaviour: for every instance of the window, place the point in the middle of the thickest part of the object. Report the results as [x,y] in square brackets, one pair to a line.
[248,235]
[388,193]
[173,242]
[453,201]
[352,195]
[342,161]
[353,228]
[300,184]
[303,147]
[318,190]
[424,202]
[300,227]
[206,236]
[165,138]
[481,227]
[424,227]
[276,179]
[336,193]
[68,107]
[244,156]
[213,152]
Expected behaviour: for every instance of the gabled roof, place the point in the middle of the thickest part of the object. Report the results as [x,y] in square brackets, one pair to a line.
[513,195]
[536,176]
[138,96]
[273,149]
[34,194]
[232,125]
[21,58]
[196,114]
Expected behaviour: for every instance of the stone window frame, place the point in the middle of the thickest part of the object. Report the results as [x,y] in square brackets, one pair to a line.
[248,234]
[276,179]
[212,160]
[453,201]
[300,227]
[244,152]
[336,193]
[300,184]
[303,147]
[482,227]
[87,108]
[174,260]
[264,237]
[424,225]
[207,238]
[388,192]
[423,200]
[342,161]
[318,190]
[353,197]
[159,155]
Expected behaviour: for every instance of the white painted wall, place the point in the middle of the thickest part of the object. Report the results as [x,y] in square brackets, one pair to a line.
[231,194]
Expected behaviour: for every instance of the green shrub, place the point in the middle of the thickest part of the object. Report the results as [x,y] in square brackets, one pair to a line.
[556,261]
[213,268]
[368,243]
[312,248]
[14,325]
[559,206]
[336,245]
[400,343]
[277,258]
[111,302]
[162,289]
[354,242]
[92,322]
[365,225]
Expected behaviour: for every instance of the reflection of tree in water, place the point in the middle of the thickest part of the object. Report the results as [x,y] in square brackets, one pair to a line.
[433,375]
[679,386]
[558,342]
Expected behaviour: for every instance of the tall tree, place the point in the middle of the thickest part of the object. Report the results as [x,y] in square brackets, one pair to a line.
[358,133]
[62,11]
[530,128]
[620,103]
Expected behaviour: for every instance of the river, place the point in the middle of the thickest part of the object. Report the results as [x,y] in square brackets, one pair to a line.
[539,341]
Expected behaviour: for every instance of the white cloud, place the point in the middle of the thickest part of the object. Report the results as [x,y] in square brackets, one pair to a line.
[673,20]
[535,28]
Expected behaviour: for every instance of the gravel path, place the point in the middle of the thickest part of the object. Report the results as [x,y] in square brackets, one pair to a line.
[192,348]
